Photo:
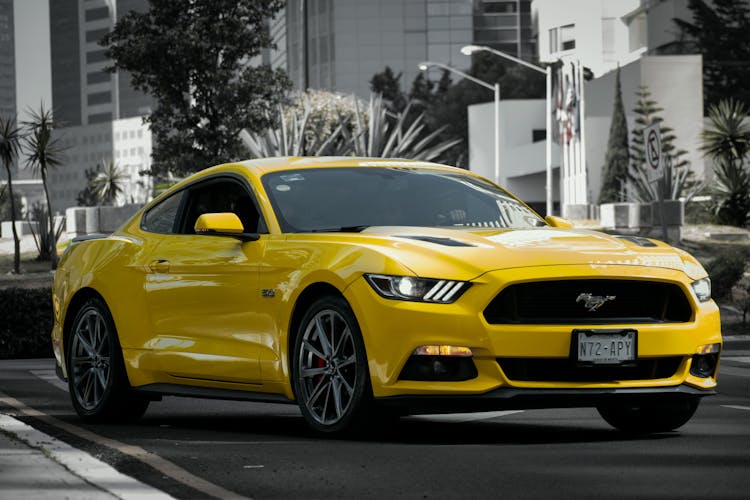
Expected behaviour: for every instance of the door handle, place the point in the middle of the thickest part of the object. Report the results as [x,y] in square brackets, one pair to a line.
[159,266]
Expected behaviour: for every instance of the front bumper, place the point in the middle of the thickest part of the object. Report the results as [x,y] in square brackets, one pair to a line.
[510,398]
[393,329]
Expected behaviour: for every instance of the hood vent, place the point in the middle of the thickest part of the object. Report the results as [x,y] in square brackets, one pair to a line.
[641,242]
[448,242]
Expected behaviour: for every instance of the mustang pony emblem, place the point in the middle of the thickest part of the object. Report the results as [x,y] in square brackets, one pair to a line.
[594,302]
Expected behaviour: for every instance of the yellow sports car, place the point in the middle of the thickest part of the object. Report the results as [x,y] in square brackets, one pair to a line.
[366,288]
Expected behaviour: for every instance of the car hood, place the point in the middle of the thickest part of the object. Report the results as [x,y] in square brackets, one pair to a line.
[467,253]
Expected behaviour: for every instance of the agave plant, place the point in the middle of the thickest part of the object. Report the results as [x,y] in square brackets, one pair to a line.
[678,184]
[727,142]
[370,132]
[46,235]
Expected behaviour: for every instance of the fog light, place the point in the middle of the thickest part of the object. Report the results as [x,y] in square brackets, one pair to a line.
[704,365]
[443,350]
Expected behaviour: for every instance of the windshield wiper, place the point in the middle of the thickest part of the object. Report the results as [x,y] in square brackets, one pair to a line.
[341,229]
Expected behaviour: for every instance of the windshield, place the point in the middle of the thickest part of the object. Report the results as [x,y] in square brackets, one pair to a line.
[351,199]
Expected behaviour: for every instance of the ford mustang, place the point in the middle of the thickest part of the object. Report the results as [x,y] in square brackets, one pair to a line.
[366,288]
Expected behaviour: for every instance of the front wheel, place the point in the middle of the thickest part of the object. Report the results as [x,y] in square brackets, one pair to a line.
[97,381]
[330,370]
[649,417]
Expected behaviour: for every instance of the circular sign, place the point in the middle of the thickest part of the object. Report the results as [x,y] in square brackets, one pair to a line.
[653,149]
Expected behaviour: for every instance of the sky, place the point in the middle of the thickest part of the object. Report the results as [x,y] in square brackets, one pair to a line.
[33,71]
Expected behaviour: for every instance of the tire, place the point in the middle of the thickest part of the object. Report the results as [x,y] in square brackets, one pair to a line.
[646,418]
[330,373]
[97,382]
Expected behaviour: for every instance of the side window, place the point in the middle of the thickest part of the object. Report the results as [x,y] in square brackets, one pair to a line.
[162,217]
[222,195]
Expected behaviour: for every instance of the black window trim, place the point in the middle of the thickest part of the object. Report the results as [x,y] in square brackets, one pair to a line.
[180,217]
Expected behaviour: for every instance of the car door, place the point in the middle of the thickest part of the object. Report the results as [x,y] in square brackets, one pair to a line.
[202,290]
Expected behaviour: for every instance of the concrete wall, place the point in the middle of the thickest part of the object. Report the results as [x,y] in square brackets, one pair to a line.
[522,162]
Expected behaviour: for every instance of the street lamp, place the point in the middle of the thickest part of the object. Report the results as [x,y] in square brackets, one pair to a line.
[424,66]
[470,49]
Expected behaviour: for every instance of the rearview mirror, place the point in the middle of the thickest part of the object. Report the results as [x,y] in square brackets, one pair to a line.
[223,224]
[558,222]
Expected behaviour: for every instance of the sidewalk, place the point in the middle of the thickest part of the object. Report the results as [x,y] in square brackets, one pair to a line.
[36,466]
[28,473]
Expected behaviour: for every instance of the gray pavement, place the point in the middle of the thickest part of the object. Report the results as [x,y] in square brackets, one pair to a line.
[29,473]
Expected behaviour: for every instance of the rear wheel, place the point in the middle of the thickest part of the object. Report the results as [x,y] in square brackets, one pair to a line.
[98,384]
[330,371]
[648,417]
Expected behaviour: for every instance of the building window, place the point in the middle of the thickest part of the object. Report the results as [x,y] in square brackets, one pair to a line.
[554,41]
[538,134]
[562,38]
[96,35]
[98,77]
[567,37]
[96,56]
[499,7]
[96,14]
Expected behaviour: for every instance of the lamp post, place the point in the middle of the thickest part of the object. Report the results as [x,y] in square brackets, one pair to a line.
[424,66]
[470,49]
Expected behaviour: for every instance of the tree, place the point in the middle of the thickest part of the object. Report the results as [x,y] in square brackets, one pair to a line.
[10,141]
[44,152]
[727,142]
[193,57]
[720,31]
[678,174]
[617,160]
[388,84]
[108,183]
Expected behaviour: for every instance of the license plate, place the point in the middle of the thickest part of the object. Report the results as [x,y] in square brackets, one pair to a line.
[605,347]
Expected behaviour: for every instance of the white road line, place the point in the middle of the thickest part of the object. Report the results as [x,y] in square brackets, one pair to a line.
[164,466]
[83,465]
[739,359]
[51,377]
[737,407]
[465,417]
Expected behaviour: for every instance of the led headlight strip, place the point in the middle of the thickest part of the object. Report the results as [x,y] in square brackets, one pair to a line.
[417,289]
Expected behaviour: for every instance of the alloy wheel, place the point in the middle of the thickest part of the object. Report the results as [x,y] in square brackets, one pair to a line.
[90,359]
[327,367]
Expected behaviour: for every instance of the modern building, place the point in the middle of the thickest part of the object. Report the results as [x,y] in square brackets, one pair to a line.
[126,142]
[24,78]
[82,92]
[340,44]
[100,112]
[7,60]
[591,31]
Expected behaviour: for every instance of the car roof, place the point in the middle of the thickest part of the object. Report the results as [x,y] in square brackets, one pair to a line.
[265,165]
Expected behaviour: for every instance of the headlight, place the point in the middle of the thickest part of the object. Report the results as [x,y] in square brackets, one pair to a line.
[417,289]
[702,289]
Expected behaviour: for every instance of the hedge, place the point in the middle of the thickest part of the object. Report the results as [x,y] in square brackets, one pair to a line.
[25,322]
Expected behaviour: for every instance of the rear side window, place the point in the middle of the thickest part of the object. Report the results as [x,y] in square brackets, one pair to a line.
[161,218]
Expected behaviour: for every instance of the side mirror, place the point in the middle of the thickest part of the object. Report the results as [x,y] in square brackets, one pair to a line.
[558,222]
[223,224]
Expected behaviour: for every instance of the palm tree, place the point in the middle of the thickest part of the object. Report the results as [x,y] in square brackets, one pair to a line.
[727,142]
[44,152]
[10,141]
[108,183]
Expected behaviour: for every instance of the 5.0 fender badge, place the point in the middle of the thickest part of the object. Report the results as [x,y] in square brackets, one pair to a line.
[594,302]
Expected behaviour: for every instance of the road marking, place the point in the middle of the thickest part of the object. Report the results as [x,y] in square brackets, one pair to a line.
[83,465]
[465,417]
[51,377]
[162,465]
[737,407]
[738,359]
[253,466]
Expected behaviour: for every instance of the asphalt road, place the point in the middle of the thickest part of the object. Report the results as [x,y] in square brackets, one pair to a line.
[192,448]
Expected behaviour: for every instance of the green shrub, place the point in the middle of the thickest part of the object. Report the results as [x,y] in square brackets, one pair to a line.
[725,269]
[25,323]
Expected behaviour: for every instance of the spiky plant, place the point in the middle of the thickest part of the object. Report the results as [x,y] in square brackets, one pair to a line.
[10,141]
[44,152]
[727,142]
[108,183]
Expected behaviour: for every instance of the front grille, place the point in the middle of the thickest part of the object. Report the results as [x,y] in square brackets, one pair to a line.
[559,302]
[566,370]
